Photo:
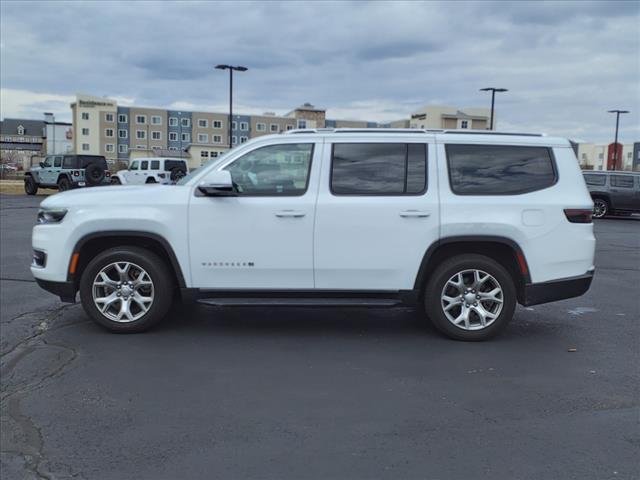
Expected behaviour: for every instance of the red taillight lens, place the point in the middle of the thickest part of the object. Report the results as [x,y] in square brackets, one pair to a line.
[578,215]
[76,173]
[161,175]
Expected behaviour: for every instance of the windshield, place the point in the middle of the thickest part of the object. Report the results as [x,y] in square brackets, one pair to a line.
[198,170]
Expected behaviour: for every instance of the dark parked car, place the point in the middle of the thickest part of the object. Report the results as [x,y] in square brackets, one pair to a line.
[67,171]
[613,192]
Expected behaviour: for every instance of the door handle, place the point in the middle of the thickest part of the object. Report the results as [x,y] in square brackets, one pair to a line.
[290,213]
[414,213]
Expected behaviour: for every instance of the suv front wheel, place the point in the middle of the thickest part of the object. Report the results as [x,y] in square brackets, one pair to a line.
[470,297]
[126,289]
[600,207]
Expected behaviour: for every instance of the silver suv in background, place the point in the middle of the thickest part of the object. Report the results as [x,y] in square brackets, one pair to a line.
[152,170]
[614,192]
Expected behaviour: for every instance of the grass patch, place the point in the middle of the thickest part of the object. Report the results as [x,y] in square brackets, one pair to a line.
[16,187]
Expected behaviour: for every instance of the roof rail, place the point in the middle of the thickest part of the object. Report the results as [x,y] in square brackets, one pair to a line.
[408,130]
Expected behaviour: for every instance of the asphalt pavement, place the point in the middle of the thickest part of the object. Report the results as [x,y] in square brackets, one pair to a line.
[300,393]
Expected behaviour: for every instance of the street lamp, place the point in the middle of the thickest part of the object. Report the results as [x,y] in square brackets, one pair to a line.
[615,143]
[493,91]
[231,68]
[53,127]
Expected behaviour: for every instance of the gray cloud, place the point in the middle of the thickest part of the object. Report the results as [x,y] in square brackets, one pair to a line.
[565,63]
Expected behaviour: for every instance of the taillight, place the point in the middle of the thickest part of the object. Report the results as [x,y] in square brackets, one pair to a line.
[162,175]
[76,173]
[578,215]
[107,173]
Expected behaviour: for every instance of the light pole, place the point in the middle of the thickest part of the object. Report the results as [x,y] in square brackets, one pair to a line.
[53,126]
[493,91]
[231,68]
[615,142]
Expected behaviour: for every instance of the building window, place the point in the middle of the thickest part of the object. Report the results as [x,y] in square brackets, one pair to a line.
[302,123]
[214,154]
[173,121]
[122,133]
[464,124]
[156,120]
[186,137]
[109,147]
[20,130]
[123,148]
[204,154]
[261,127]
[122,118]
[141,134]
[173,136]
[243,139]
[156,135]
[629,155]
[203,138]
[234,140]
[108,132]
[274,127]
[216,124]
[601,156]
[244,126]
[185,122]
[85,115]
[173,148]
[141,147]
[85,131]
[217,139]
[234,125]
[156,147]
[584,156]
[289,127]
[141,119]
[108,117]
[203,123]
[85,147]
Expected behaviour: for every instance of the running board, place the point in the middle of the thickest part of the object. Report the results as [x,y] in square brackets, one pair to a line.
[300,302]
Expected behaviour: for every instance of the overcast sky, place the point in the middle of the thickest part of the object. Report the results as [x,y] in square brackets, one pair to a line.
[565,64]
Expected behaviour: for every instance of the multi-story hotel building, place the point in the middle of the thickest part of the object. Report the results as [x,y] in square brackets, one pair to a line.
[102,127]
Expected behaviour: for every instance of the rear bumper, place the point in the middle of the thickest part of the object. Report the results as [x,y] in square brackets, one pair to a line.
[65,290]
[537,293]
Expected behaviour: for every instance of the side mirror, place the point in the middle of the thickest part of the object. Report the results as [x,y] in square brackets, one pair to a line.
[41,164]
[218,184]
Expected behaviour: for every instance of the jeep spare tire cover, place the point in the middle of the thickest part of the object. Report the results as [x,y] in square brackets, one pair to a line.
[93,174]
[176,174]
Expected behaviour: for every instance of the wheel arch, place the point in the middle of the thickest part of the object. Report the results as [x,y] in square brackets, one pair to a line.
[94,243]
[63,175]
[504,250]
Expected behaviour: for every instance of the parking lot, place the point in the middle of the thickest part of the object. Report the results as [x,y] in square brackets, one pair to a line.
[321,393]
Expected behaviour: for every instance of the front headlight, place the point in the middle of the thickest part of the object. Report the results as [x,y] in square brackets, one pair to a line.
[51,216]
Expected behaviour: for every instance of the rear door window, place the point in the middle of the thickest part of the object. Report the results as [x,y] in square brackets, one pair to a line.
[68,162]
[499,169]
[57,161]
[379,169]
[623,181]
[592,179]
[144,165]
[155,164]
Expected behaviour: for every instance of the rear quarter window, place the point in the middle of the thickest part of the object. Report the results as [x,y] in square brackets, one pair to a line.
[171,164]
[624,181]
[84,160]
[499,169]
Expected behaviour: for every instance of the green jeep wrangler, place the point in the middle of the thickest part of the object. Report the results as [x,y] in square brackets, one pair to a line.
[67,171]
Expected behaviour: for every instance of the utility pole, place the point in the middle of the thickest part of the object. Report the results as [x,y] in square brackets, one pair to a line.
[615,142]
[493,91]
[231,68]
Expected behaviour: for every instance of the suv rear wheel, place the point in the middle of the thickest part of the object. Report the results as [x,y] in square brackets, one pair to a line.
[30,185]
[470,297]
[126,289]
[600,207]
[64,184]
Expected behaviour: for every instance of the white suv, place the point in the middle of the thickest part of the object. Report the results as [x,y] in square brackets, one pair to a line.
[151,170]
[464,225]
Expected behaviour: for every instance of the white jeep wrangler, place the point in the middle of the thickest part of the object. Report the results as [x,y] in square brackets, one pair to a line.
[151,170]
[463,224]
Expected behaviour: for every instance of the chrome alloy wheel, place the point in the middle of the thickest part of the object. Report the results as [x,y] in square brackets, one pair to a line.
[122,291]
[472,299]
[599,208]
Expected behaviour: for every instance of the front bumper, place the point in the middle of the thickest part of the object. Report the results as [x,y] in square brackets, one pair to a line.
[65,290]
[545,292]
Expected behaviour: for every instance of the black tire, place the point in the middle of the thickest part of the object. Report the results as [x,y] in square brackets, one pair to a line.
[600,207]
[30,185]
[64,184]
[115,181]
[157,270]
[177,174]
[436,288]
[151,180]
[94,174]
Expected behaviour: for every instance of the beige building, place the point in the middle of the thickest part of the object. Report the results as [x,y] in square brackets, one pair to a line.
[91,117]
[451,118]
[593,156]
